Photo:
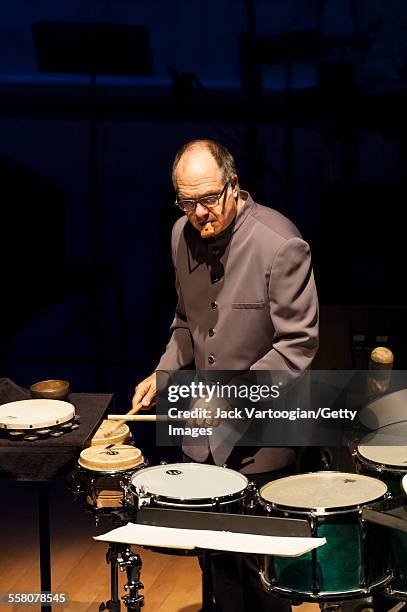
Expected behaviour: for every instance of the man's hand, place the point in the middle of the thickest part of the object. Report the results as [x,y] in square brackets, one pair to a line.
[146,392]
[210,410]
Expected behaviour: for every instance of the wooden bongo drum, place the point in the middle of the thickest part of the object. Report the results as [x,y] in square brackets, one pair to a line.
[121,436]
[101,471]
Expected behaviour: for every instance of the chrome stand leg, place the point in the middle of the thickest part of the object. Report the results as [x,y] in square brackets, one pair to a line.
[131,562]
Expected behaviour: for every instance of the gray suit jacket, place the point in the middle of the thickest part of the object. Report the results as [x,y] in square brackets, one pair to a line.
[246,300]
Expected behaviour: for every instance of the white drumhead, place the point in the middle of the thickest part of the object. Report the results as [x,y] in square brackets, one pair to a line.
[35,413]
[404,483]
[189,481]
[391,408]
[323,490]
[386,445]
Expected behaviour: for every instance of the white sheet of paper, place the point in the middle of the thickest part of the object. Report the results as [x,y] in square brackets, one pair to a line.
[169,537]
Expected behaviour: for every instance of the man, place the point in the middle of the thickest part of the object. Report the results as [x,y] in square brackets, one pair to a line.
[246,301]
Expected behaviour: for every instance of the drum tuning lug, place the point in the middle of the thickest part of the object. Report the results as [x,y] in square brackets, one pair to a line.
[76,489]
[163,463]
[251,497]
[127,497]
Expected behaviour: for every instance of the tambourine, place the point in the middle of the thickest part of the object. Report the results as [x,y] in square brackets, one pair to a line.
[37,418]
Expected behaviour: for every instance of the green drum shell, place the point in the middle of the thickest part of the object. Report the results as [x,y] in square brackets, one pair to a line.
[391,476]
[351,564]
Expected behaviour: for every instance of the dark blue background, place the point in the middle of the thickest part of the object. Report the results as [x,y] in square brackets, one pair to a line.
[331,154]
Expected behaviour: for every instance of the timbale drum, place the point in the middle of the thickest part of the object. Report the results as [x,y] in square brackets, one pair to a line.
[353,562]
[381,454]
[190,486]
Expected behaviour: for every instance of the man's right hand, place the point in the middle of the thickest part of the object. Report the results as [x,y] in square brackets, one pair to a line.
[146,392]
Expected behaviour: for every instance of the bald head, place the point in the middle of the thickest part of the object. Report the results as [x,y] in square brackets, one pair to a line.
[197,169]
[204,176]
[202,152]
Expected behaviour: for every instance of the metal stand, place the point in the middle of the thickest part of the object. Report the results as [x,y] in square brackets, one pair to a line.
[120,556]
[44,537]
[131,562]
[207,582]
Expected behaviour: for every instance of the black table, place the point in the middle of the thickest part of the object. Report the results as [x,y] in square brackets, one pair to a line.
[42,461]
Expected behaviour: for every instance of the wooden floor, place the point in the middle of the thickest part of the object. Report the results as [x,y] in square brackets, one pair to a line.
[79,568]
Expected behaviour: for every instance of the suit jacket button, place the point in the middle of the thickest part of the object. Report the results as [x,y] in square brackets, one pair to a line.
[214,305]
[211,359]
[211,332]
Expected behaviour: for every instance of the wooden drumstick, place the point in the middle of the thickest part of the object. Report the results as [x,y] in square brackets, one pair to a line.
[132,417]
[123,420]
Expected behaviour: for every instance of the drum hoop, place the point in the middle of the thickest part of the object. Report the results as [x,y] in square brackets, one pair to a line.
[86,471]
[194,501]
[32,428]
[8,432]
[395,593]
[191,500]
[334,511]
[322,595]
[320,511]
[376,466]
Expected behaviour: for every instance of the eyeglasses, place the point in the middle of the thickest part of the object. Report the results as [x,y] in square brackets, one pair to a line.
[209,201]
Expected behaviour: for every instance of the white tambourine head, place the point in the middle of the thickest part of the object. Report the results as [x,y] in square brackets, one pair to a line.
[35,414]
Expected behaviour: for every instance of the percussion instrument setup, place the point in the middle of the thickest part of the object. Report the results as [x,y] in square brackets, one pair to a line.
[357,520]
[365,552]
[362,515]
